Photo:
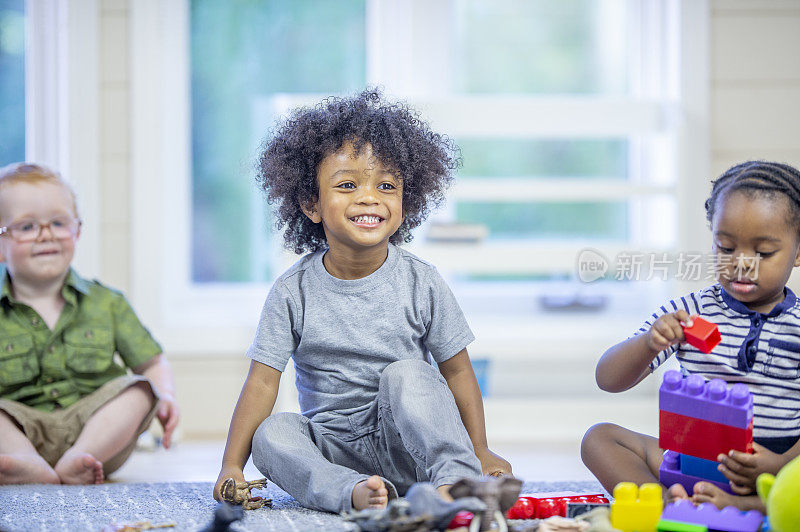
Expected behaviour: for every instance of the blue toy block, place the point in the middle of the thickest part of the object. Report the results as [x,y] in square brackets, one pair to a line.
[713,400]
[700,467]
[728,519]
[670,473]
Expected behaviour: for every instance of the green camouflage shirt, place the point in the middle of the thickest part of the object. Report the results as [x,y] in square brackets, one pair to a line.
[46,368]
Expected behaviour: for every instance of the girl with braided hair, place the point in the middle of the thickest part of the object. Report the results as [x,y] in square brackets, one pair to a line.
[754,215]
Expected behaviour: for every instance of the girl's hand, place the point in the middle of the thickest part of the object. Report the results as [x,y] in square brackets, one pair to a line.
[668,330]
[742,469]
[227,472]
[492,464]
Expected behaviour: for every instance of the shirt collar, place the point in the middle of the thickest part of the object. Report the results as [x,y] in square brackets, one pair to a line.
[73,280]
[788,302]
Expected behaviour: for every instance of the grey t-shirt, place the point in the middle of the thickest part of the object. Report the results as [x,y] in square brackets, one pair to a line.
[343,333]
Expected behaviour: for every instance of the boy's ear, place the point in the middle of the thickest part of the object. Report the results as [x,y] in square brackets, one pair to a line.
[310,210]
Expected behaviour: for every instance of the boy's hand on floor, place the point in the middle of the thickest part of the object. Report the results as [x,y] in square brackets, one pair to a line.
[493,464]
[227,472]
[168,415]
[668,330]
[742,469]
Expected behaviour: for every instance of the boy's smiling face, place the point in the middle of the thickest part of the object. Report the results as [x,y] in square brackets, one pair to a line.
[47,258]
[360,202]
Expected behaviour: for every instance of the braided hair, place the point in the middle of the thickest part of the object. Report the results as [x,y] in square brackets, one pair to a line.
[759,178]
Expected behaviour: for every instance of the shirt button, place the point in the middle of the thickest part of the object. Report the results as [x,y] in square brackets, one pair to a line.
[752,349]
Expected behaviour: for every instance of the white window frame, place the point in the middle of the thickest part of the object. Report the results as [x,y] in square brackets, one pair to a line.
[211,318]
[61,111]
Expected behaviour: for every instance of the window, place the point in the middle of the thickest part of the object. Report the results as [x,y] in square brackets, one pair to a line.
[242,55]
[581,123]
[12,81]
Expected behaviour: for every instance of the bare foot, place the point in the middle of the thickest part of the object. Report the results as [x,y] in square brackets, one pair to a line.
[444,492]
[26,469]
[370,493]
[80,468]
[676,492]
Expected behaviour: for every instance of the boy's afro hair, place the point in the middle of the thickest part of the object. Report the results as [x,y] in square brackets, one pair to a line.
[287,166]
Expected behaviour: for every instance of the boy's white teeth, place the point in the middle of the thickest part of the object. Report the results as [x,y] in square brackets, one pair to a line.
[366,219]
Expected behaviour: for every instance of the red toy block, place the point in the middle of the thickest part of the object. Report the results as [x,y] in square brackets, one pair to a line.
[544,505]
[701,438]
[462,519]
[703,334]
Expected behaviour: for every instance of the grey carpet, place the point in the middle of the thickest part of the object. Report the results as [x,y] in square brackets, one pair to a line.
[188,504]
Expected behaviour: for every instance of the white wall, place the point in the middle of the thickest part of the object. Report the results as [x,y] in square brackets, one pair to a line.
[755,112]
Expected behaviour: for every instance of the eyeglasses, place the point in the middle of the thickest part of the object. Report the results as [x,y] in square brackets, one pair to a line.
[29,230]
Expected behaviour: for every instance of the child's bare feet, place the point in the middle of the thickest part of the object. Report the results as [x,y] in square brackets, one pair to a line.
[370,493]
[444,492]
[676,492]
[26,469]
[80,468]
[707,492]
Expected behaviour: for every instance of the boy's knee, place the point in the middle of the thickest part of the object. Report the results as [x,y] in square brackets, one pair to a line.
[406,372]
[141,392]
[280,429]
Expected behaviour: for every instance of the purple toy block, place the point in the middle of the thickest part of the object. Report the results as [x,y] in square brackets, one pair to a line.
[700,467]
[693,396]
[728,519]
[670,473]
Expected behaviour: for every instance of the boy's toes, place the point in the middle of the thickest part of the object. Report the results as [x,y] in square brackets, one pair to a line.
[370,493]
[80,468]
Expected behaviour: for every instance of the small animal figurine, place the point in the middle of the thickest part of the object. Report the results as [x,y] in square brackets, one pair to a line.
[238,493]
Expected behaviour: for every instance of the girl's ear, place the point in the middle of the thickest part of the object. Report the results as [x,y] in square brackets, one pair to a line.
[311,210]
[797,258]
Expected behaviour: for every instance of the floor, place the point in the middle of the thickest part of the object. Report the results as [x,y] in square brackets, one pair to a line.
[199,461]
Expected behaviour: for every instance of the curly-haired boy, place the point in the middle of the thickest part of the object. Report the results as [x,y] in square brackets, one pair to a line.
[360,317]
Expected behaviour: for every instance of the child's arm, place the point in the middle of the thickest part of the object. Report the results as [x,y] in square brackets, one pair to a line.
[254,406]
[461,380]
[624,365]
[158,372]
[742,469]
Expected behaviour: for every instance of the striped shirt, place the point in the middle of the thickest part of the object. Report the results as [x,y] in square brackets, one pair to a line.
[759,350]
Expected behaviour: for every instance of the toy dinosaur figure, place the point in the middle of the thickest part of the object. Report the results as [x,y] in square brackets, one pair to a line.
[498,493]
[238,493]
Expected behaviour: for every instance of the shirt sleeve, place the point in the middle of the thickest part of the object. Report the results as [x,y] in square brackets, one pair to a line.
[132,340]
[684,303]
[448,332]
[276,338]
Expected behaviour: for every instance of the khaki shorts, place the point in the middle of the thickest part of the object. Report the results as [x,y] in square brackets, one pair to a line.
[53,433]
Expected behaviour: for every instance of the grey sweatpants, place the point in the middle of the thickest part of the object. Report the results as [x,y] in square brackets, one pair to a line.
[411,433]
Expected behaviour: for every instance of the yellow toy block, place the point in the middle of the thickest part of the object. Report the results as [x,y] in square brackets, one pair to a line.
[636,509]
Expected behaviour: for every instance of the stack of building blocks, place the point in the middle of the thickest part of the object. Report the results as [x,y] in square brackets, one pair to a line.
[544,505]
[729,519]
[636,509]
[703,334]
[699,420]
